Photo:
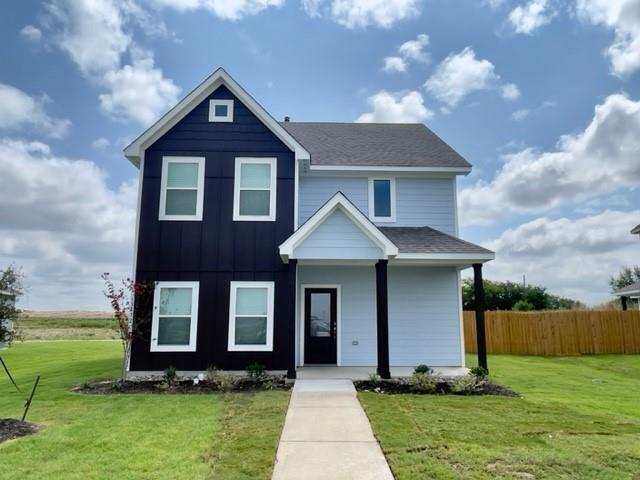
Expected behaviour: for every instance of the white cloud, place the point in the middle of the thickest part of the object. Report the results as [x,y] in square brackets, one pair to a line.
[409,51]
[138,91]
[531,16]
[100,143]
[572,257]
[414,49]
[599,160]
[394,64]
[225,9]
[494,4]
[31,33]
[460,74]
[400,107]
[19,110]
[623,17]
[510,91]
[98,38]
[521,114]
[63,224]
[363,13]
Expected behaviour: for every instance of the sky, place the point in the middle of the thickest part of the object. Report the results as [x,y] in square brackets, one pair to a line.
[541,96]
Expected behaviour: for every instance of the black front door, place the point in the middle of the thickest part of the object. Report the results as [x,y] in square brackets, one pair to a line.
[320,326]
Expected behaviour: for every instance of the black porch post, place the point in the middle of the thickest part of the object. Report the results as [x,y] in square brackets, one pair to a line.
[479,303]
[623,299]
[382,309]
[291,329]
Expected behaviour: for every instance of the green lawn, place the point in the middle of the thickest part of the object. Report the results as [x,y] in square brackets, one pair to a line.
[578,418]
[65,328]
[231,436]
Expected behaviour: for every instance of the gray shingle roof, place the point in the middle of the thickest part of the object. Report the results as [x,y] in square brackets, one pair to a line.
[374,144]
[429,240]
[635,288]
[636,229]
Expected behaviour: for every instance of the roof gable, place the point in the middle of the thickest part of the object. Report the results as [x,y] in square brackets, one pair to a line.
[358,220]
[135,150]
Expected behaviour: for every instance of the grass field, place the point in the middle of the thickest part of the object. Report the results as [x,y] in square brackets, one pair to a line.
[578,418]
[71,327]
[231,436]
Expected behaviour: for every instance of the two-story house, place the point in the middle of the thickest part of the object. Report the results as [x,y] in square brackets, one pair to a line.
[296,244]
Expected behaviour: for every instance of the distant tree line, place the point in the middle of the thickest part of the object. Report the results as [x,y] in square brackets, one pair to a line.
[515,296]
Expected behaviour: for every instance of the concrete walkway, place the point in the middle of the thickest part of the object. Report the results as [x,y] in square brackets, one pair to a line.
[327,436]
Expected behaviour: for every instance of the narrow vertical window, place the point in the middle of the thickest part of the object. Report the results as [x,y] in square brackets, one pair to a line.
[254,196]
[175,317]
[182,191]
[382,201]
[251,316]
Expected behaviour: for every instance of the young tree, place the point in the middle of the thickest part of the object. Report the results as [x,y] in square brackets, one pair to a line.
[11,282]
[131,305]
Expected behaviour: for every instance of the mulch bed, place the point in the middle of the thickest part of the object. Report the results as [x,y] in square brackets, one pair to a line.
[13,428]
[242,384]
[400,386]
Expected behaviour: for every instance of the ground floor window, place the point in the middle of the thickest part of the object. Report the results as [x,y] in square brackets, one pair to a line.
[251,316]
[175,317]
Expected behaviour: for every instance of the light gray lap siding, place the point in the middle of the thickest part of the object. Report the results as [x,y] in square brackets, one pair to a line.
[424,316]
[420,201]
[337,238]
[357,308]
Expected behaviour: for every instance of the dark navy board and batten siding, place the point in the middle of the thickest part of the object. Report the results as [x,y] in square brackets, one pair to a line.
[216,250]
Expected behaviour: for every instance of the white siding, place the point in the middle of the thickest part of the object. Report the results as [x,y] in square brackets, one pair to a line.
[420,201]
[337,238]
[424,320]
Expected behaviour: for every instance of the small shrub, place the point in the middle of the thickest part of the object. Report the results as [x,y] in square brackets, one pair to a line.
[422,369]
[256,370]
[170,375]
[522,306]
[466,385]
[479,372]
[223,381]
[374,378]
[423,382]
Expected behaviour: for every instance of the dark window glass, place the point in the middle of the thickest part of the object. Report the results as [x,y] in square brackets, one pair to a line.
[382,198]
[221,110]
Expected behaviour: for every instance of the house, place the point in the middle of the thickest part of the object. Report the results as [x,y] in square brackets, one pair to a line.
[631,291]
[295,244]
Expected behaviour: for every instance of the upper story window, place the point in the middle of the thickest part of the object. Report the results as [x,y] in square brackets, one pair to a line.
[254,194]
[175,317]
[221,110]
[382,199]
[182,188]
[251,316]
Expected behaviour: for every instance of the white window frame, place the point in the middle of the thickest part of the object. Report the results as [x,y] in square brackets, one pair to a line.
[163,189]
[155,322]
[272,189]
[392,193]
[231,346]
[212,111]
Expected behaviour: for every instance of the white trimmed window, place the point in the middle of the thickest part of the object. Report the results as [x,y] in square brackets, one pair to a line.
[174,323]
[382,199]
[251,316]
[182,188]
[221,110]
[254,193]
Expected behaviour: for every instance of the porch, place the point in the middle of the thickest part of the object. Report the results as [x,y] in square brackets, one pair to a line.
[328,372]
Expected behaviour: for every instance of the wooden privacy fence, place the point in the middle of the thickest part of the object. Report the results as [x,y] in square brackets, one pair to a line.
[568,332]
